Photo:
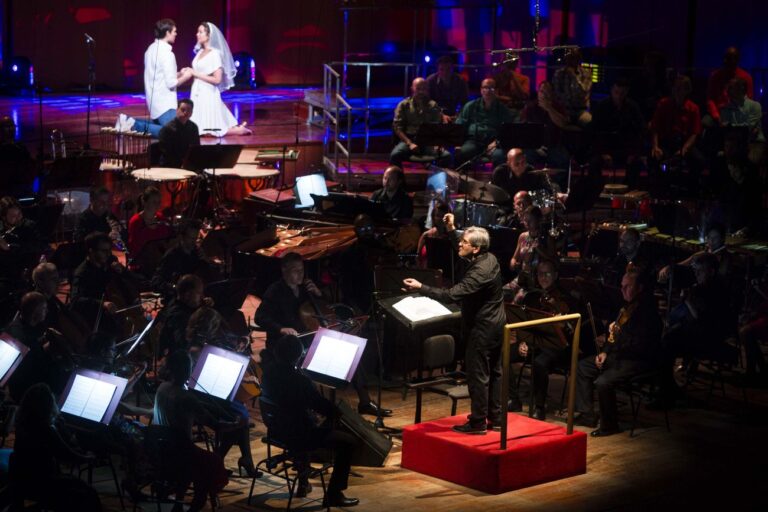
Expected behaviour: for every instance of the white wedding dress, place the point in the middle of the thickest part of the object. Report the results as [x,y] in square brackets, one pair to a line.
[209,113]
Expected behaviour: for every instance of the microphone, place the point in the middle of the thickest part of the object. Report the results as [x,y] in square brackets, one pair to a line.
[89,39]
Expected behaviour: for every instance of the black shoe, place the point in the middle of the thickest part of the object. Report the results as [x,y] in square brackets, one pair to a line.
[540,413]
[469,428]
[339,500]
[584,419]
[494,425]
[373,409]
[605,432]
[303,489]
[514,405]
[246,466]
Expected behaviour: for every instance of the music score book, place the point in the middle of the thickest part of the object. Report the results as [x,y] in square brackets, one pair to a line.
[219,372]
[92,395]
[333,357]
[419,308]
[12,352]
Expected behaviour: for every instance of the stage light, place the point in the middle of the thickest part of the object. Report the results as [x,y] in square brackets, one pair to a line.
[20,73]
[246,70]
[427,58]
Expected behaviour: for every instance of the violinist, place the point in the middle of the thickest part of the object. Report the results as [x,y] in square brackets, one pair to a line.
[149,224]
[97,217]
[21,243]
[631,348]
[279,315]
[189,297]
[552,343]
[185,257]
[533,245]
[93,276]
[715,244]
[42,363]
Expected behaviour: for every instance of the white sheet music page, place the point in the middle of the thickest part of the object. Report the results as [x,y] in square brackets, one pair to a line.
[8,356]
[333,357]
[89,398]
[417,309]
[219,376]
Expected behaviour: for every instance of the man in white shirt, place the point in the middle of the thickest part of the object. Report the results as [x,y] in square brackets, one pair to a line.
[161,79]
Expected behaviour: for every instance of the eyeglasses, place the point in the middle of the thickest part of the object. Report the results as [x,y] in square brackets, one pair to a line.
[487,88]
[545,274]
[464,242]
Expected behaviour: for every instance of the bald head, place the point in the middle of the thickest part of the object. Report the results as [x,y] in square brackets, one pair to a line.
[516,161]
[419,88]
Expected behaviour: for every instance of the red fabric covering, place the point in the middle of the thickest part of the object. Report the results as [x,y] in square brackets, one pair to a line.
[537,452]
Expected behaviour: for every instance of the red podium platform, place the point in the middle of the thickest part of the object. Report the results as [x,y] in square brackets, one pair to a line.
[537,452]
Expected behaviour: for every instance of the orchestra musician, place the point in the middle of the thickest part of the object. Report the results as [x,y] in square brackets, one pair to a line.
[533,245]
[631,348]
[483,117]
[46,361]
[515,175]
[178,408]
[631,250]
[178,135]
[176,315]
[410,114]
[97,217]
[21,243]
[483,319]
[185,257]
[393,195]
[147,225]
[552,343]
[280,315]
[715,245]
[93,276]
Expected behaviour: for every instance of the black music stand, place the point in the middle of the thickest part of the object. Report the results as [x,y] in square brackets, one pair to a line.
[524,135]
[212,156]
[441,135]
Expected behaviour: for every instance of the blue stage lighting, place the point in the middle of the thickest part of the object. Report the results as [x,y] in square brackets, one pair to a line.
[246,70]
[427,58]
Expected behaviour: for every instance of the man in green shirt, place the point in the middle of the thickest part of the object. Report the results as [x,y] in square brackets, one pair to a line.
[483,118]
[410,114]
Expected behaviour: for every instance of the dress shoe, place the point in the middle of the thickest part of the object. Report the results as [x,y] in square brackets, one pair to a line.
[540,413]
[303,489]
[494,425]
[469,428]
[605,432]
[373,409]
[514,405]
[339,500]
[246,466]
[585,419]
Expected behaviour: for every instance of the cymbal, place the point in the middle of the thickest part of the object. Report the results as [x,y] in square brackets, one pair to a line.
[549,170]
[486,193]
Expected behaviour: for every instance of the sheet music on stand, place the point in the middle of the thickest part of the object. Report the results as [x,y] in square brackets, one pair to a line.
[92,395]
[218,372]
[419,308]
[11,354]
[333,357]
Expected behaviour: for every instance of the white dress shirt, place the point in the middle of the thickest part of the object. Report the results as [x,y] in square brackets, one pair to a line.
[160,78]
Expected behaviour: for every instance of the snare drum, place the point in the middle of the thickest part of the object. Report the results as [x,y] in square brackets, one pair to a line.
[174,184]
[478,214]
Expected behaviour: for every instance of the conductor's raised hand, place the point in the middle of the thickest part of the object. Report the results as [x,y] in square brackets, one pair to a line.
[448,220]
[411,284]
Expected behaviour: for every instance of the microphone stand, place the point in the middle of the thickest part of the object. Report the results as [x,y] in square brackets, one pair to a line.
[89,41]
[378,424]
[465,175]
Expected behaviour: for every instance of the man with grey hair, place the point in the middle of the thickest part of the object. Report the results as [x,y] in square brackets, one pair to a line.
[482,312]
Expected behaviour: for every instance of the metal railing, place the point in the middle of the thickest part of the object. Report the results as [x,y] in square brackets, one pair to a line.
[333,107]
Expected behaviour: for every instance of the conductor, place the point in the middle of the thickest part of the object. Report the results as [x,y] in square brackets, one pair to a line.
[482,312]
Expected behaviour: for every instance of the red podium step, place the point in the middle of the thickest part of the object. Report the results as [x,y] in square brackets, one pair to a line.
[537,452]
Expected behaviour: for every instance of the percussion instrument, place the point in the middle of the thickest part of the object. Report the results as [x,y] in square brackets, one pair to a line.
[477,214]
[238,182]
[174,183]
[486,193]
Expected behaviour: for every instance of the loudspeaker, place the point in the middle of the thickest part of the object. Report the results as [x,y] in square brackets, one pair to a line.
[374,446]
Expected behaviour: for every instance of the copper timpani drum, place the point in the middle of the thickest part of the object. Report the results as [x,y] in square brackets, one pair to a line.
[174,184]
[239,181]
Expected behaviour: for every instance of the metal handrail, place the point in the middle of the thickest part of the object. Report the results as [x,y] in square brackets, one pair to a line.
[505,366]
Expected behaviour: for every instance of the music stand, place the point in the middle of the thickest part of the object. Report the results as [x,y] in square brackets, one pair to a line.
[228,294]
[219,372]
[524,135]
[12,352]
[333,357]
[441,135]
[212,156]
[92,396]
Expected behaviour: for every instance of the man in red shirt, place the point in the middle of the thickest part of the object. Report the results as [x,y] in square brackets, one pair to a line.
[717,94]
[675,126]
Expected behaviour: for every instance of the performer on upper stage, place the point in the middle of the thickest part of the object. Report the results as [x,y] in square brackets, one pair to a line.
[213,69]
[483,319]
[161,79]
[515,175]
[393,196]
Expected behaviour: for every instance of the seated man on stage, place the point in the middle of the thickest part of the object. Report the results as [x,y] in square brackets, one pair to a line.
[410,114]
[97,217]
[296,401]
[147,225]
[186,257]
[92,277]
[280,315]
[483,319]
[393,195]
[483,118]
[178,136]
[176,315]
[447,88]
[632,348]
[516,175]
[715,245]
[631,250]
[551,344]
[21,243]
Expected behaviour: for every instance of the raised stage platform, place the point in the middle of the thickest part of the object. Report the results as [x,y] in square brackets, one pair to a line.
[537,452]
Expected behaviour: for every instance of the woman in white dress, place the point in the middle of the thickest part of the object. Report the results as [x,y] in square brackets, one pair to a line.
[213,69]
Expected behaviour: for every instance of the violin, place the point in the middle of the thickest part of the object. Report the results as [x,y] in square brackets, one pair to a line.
[73,327]
[624,315]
